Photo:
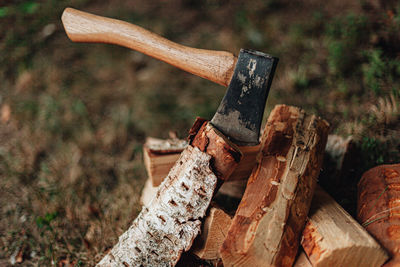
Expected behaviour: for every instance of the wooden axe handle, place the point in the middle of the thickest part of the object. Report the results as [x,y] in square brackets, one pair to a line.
[216,66]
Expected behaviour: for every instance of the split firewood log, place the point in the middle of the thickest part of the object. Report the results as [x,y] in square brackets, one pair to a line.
[170,223]
[161,154]
[378,207]
[148,193]
[214,230]
[268,224]
[332,237]
[302,260]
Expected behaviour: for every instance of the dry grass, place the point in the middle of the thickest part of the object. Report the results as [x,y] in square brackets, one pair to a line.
[73,117]
[386,110]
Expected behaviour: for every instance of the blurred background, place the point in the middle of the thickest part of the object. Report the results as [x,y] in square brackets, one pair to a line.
[73,117]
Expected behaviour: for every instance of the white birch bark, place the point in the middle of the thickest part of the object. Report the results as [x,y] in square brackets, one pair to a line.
[170,223]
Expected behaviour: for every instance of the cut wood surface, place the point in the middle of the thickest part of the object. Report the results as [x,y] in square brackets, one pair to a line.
[268,224]
[302,261]
[245,166]
[332,237]
[170,223]
[148,193]
[213,233]
[161,154]
[378,207]
[165,146]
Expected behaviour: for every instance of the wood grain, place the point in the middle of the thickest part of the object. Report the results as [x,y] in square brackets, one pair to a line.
[171,221]
[332,237]
[268,224]
[161,154]
[378,207]
[148,193]
[302,260]
[213,233]
[216,66]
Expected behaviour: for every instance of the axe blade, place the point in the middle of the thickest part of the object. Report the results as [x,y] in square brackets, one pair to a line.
[240,113]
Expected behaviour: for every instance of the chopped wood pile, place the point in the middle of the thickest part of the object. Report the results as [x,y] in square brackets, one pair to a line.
[281,216]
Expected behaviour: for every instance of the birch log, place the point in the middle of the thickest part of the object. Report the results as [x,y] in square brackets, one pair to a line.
[213,230]
[332,237]
[378,207]
[269,221]
[148,193]
[161,154]
[168,226]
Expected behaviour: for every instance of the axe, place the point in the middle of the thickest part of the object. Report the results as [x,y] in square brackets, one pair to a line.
[166,228]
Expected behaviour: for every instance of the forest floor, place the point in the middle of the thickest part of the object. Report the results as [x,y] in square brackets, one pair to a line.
[73,116]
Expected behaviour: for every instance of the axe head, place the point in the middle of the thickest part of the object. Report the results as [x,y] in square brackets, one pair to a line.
[240,113]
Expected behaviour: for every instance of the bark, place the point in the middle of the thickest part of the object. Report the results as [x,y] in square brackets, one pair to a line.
[160,155]
[378,207]
[269,221]
[168,226]
[332,237]
[225,154]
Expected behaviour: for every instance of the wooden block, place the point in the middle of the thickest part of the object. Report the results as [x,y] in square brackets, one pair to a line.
[168,226]
[302,260]
[246,165]
[214,230]
[268,224]
[160,155]
[332,237]
[378,207]
[148,193]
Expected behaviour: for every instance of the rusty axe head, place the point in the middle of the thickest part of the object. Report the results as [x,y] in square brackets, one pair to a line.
[240,113]
[248,77]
